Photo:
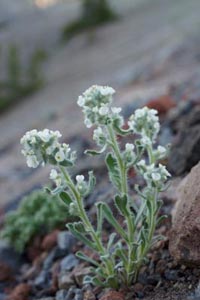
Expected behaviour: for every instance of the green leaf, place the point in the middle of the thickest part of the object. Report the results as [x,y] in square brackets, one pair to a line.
[151,209]
[74,228]
[82,256]
[66,163]
[91,182]
[122,205]
[87,279]
[111,219]
[140,212]
[79,227]
[97,282]
[160,219]
[95,152]
[65,197]
[111,240]
[112,282]
[120,131]
[99,217]
[119,252]
[114,174]
[57,190]
[142,195]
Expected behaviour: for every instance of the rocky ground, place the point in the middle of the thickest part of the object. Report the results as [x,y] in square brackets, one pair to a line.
[49,269]
[147,64]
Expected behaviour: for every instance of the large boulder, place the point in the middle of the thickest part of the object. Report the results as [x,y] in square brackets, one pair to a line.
[184,240]
[185,151]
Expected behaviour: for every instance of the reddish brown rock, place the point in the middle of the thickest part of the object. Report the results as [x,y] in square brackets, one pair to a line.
[89,295]
[184,239]
[162,104]
[5,272]
[20,292]
[113,295]
[50,240]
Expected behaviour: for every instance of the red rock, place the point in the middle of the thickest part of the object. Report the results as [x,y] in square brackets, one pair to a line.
[20,292]
[113,295]
[5,272]
[50,240]
[184,237]
[162,104]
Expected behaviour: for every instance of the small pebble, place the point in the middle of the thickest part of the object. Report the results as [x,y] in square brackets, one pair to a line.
[61,295]
[68,263]
[66,240]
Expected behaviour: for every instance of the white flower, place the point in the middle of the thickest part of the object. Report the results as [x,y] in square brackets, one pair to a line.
[129,147]
[45,135]
[103,110]
[105,90]
[80,179]
[141,163]
[81,101]
[140,113]
[55,177]
[32,161]
[56,134]
[162,150]
[53,174]
[152,113]
[88,123]
[60,156]
[66,148]
[116,110]
[98,132]
[146,141]
[163,171]
[156,176]
[95,109]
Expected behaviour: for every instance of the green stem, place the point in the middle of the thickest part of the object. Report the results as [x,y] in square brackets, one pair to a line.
[152,226]
[86,221]
[124,190]
[122,167]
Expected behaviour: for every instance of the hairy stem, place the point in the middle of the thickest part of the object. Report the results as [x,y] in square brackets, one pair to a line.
[124,191]
[84,218]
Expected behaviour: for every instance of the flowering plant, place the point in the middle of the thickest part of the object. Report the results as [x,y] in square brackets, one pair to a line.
[120,260]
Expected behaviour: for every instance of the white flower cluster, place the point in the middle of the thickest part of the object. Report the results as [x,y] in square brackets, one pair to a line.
[100,136]
[129,154]
[81,184]
[146,123]
[96,102]
[56,177]
[40,147]
[154,175]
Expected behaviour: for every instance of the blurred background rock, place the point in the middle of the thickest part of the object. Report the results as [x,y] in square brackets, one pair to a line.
[148,49]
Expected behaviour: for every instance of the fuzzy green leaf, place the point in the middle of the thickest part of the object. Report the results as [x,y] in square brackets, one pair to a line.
[122,205]
[57,190]
[91,182]
[120,131]
[65,197]
[74,228]
[95,152]
[111,240]
[82,256]
[112,282]
[111,219]
[114,174]
[66,163]
[99,217]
